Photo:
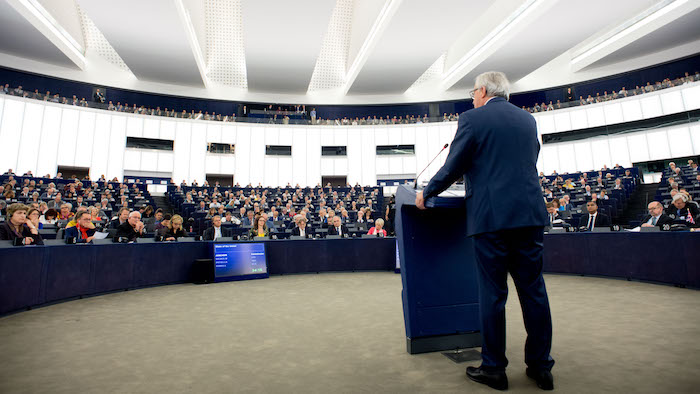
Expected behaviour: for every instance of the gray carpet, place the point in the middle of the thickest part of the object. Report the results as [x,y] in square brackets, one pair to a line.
[337,333]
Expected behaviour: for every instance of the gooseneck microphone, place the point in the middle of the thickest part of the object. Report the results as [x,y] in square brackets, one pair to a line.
[415,184]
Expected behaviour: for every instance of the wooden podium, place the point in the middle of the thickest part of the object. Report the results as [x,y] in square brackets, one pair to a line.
[440,289]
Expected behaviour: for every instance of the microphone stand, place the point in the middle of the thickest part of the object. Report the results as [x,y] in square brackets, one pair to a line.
[415,183]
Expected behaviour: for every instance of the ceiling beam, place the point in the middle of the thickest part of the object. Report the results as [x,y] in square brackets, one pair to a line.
[192,40]
[42,20]
[375,33]
[517,19]
[647,22]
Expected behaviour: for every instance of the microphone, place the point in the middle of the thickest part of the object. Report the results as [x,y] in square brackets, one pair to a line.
[415,184]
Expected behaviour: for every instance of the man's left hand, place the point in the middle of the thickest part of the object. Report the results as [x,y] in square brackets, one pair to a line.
[420,201]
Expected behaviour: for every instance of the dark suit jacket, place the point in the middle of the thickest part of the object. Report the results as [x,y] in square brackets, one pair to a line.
[601,220]
[75,233]
[495,150]
[663,219]
[209,233]
[333,231]
[125,230]
[6,233]
[308,230]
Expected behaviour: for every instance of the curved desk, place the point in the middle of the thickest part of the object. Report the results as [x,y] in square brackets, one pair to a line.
[36,275]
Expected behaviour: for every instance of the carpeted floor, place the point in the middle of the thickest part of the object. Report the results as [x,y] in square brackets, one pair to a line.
[337,333]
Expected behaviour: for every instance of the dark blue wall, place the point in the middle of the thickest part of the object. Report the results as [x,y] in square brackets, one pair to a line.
[629,80]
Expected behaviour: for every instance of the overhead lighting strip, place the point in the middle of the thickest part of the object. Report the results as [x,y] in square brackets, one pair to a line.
[47,20]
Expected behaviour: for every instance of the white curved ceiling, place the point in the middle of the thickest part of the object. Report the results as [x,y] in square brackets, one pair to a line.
[340,51]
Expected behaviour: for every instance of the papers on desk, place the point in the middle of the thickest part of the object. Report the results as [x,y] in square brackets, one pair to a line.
[99,235]
[634,230]
[452,193]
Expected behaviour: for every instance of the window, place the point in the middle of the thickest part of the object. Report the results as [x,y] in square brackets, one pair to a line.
[225,180]
[70,172]
[334,151]
[221,148]
[148,143]
[396,150]
[278,150]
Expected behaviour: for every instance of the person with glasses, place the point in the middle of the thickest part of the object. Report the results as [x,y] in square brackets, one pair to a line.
[656,216]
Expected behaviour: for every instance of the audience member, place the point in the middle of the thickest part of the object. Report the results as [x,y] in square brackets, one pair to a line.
[216,231]
[84,230]
[593,219]
[656,216]
[260,228]
[338,228]
[16,226]
[378,228]
[132,228]
[174,229]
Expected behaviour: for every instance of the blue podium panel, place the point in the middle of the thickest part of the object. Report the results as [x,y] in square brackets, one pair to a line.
[438,272]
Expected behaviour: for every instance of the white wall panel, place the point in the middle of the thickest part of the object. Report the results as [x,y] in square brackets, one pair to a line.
[694,135]
[600,149]
[117,146]
[134,126]
[562,121]
[84,143]
[228,164]
[257,155]
[340,137]
[151,127]
[381,136]
[579,119]
[286,169]
[328,136]
[198,151]
[285,138]
[691,97]
[651,106]
[299,157]
[680,142]
[228,135]
[369,154]
[613,113]
[271,171]
[658,145]
[567,158]
[165,162]
[181,152]
[214,133]
[167,130]
[382,165]
[631,110]
[596,116]
[313,155]
[272,135]
[672,102]
[149,161]
[213,163]
[638,147]
[354,148]
[550,159]
[69,137]
[132,159]
[545,124]
[584,156]
[395,136]
[619,152]
[29,139]
[396,165]
[48,143]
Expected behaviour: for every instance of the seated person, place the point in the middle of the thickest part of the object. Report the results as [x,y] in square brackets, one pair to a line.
[554,219]
[378,228]
[656,216]
[33,215]
[337,227]
[216,231]
[174,229]
[17,226]
[65,212]
[49,217]
[260,228]
[594,218]
[120,219]
[132,228]
[84,230]
[680,210]
[249,220]
[301,229]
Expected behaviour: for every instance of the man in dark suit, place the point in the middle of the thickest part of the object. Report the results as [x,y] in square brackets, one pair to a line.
[301,229]
[121,218]
[337,227]
[656,216]
[593,219]
[511,240]
[216,231]
[132,228]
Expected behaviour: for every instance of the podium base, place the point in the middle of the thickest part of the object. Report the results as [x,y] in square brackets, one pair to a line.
[439,343]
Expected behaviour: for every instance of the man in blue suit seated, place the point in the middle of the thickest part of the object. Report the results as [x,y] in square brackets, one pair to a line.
[495,150]
[81,231]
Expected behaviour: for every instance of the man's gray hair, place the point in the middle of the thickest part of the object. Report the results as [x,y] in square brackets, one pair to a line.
[495,82]
[680,196]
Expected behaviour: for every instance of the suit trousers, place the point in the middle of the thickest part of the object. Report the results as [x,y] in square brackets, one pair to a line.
[518,252]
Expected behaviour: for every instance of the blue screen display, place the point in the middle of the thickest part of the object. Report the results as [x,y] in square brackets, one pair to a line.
[239,261]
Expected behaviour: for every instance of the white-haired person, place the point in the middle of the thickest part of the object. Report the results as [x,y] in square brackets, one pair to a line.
[378,228]
[301,229]
[680,210]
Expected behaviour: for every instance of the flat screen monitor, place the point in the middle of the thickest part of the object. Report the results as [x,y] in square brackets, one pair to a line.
[239,261]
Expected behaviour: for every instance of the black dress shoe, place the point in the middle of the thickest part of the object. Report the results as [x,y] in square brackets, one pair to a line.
[493,379]
[544,378]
